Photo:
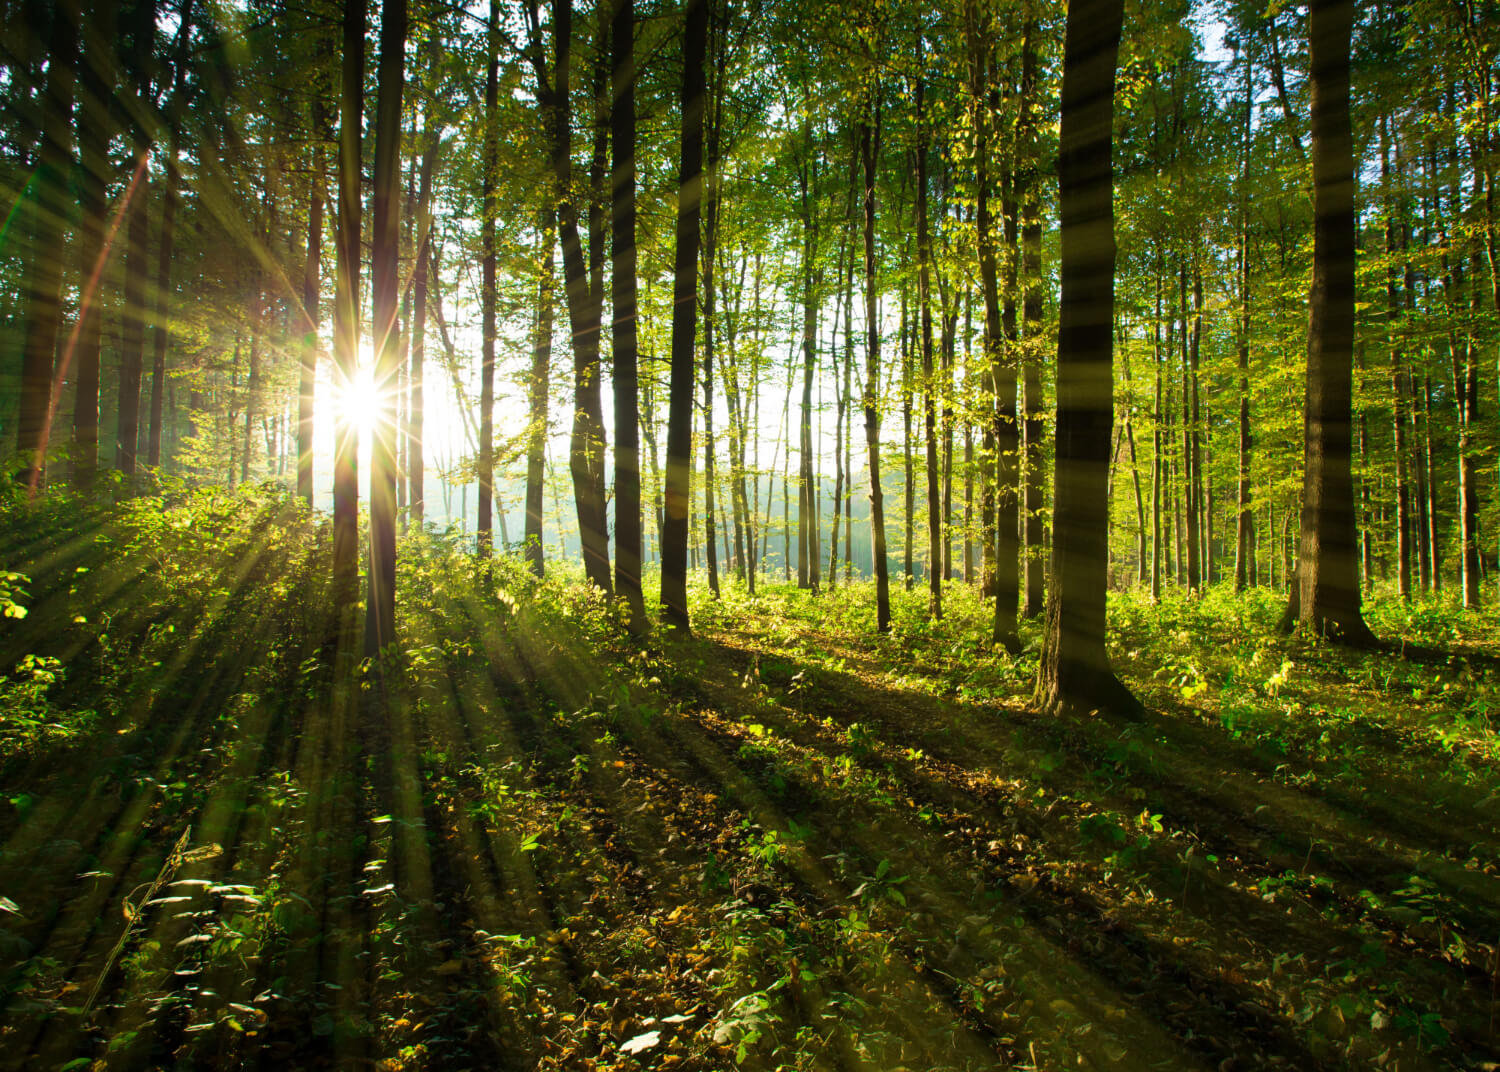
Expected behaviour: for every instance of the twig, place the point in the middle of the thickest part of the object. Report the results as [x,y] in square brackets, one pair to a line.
[133,911]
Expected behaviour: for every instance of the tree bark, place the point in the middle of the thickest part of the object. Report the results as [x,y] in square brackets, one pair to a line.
[808,566]
[1002,441]
[623,303]
[929,377]
[490,159]
[307,383]
[1074,676]
[385,239]
[684,320]
[346,310]
[43,281]
[95,90]
[416,462]
[541,363]
[1328,571]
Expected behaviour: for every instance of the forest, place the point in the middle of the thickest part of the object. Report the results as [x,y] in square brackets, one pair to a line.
[418,650]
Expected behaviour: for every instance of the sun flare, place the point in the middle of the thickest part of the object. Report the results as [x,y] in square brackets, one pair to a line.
[357,402]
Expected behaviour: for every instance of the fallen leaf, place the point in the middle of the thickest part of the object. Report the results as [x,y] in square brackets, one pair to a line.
[641,1042]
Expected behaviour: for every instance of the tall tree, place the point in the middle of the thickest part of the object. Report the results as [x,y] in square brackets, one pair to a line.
[1328,568]
[623,302]
[541,364]
[808,562]
[416,450]
[869,150]
[96,86]
[684,319]
[1002,435]
[490,161]
[929,377]
[43,281]
[1074,675]
[1033,427]
[312,270]
[133,316]
[385,244]
[346,307]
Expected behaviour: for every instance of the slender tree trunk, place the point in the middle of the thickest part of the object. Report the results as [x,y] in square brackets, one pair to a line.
[1191,444]
[623,303]
[1429,482]
[588,425]
[908,393]
[346,309]
[95,89]
[1244,538]
[1002,446]
[1074,675]
[133,325]
[312,268]
[489,209]
[43,280]
[385,242]
[929,376]
[252,383]
[1328,570]
[684,319]
[416,450]
[808,567]
[709,252]
[1404,528]
[164,305]
[1033,504]
[541,364]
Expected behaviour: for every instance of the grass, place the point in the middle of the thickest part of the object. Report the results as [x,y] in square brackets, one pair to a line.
[784,843]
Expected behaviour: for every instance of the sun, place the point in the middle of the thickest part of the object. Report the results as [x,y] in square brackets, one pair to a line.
[358,401]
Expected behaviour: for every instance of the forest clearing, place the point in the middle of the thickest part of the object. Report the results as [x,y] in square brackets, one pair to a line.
[732,534]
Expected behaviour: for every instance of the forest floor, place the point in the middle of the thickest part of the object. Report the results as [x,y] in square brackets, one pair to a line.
[784,843]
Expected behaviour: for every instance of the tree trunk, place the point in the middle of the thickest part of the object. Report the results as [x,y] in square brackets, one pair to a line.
[1074,676]
[133,321]
[43,280]
[1033,502]
[1244,546]
[385,270]
[541,364]
[623,303]
[489,208]
[346,309]
[712,106]
[929,377]
[307,383]
[908,391]
[1328,570]
[807,495]
[416,462]
[164,306]
[1001,448]
[95,90]
[684,319]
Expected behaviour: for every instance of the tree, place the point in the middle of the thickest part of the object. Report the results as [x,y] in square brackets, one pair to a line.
[1327,599]
[490,162]
[380,611]
[674,539]
[1074,675]
[623,301]
[346,307]
[43,279]
[869,149]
